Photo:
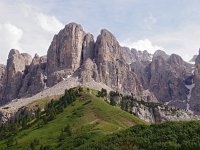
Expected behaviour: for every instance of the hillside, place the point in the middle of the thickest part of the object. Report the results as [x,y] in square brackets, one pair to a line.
[86,119]
[165,136]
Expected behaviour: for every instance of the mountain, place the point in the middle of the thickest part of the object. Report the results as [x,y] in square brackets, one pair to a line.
[72,53]
[169,78]
[194,102]
[132,55]
[75,58]
[96,94]
[72,121]
[193,59]
[84,118]
[161,53]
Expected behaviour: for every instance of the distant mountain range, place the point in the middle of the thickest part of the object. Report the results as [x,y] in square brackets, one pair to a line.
[75,58]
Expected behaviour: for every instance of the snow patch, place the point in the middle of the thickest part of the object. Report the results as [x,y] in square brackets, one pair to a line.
[189,87]
[167,103]
[45,86]
[69,76]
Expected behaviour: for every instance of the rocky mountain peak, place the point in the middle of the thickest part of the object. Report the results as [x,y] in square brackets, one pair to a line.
[132,55]
[13,52]
[161,53]
[36,56]
[107,34]
[175,60]
[15,68]
[107,47]
[73,25]
[193,59]
[66,49]
[17,61]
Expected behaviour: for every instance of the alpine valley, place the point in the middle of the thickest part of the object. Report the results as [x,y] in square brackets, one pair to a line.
[96,94]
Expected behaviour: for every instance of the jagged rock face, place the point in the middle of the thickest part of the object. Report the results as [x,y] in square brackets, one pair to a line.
[182,69]
[107,48]
[195,97]
[161,53]
[164,83]
[89,71]
[65,49]
[2,73]
[2,78]
[88,47]
[112,69]
[72,52]
[16,65]
[67,52]
[142,69]
[127,55]
[166,76]
[34,79]
[75,53]
[162,113]
[193,59]
[23,77]
[131,56]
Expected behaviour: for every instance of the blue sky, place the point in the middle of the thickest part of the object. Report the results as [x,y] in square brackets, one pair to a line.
[171,25]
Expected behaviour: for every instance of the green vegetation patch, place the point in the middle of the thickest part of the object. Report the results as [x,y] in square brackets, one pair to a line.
[78,118]
[164,136]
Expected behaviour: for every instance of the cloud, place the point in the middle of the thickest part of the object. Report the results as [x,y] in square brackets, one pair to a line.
[30,30]
[11,36]
[145,44]
[184,41]
[49,23]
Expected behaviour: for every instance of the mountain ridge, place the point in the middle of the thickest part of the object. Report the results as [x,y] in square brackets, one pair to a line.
[75,53]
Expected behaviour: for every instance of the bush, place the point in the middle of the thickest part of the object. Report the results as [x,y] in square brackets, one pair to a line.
[102,93]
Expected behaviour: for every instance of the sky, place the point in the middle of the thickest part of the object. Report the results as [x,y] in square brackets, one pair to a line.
[169,25]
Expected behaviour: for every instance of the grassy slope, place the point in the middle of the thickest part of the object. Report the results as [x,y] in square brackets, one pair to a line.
[90,119]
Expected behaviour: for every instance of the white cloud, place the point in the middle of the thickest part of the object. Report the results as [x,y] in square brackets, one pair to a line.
[145,44]
[184,41]
[46,22]
[29,30]
[10,38]
[49,23]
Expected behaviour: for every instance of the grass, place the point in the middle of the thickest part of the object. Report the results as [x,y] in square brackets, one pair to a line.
[42,102]
[89,117]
